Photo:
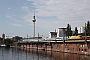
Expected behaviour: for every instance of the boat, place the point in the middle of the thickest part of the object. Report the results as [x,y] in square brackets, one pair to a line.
[2,45]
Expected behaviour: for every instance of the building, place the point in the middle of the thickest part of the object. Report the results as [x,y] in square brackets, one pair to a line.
[3,36]
[81,29]
[52,34]
[61,32]
[16,38]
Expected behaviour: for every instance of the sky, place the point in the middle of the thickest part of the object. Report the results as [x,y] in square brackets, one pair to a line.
[16,16]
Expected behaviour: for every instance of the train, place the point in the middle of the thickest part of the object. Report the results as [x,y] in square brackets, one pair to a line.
[79,37]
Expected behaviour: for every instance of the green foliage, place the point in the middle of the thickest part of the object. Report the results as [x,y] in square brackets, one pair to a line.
[76,31]
[8,41]
[68,32]
[88,28]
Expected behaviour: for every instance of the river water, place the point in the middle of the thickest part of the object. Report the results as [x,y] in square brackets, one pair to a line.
[7,53]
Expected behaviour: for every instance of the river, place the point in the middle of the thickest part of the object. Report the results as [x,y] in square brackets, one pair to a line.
[7,53]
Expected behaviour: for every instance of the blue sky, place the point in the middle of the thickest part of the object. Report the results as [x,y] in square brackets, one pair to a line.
[16,15]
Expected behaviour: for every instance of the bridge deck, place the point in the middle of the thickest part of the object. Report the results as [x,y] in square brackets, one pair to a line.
[55,41]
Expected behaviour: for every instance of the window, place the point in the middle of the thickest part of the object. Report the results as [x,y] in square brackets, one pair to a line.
[82,49]
[79,49]
[85,49]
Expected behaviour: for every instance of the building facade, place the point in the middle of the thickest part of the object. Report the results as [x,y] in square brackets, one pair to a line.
[81,29]
[52,34]
[59,33]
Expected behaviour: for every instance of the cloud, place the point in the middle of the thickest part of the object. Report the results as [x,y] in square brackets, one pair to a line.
[25,8]
[51,14]
[9,8]
[64,10]
[24,3]
[29,0]
[19,25]
[8,16]
[12,18]
[28,17]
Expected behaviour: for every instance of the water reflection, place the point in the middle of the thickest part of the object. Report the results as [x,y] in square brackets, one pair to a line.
[32,54]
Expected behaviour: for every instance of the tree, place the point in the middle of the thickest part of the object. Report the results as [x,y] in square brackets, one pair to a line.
[76,31]
[68,32]
[88,28]
[8,41]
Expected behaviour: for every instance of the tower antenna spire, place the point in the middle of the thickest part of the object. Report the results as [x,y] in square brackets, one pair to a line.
[34,20]
[34,8]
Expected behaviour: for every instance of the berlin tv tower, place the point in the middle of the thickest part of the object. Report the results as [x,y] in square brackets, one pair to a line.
[34,20]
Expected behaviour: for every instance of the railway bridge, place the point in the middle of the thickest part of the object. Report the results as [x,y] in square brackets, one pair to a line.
[67,46]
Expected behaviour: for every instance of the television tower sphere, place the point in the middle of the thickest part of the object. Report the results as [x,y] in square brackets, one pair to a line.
[34,20]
